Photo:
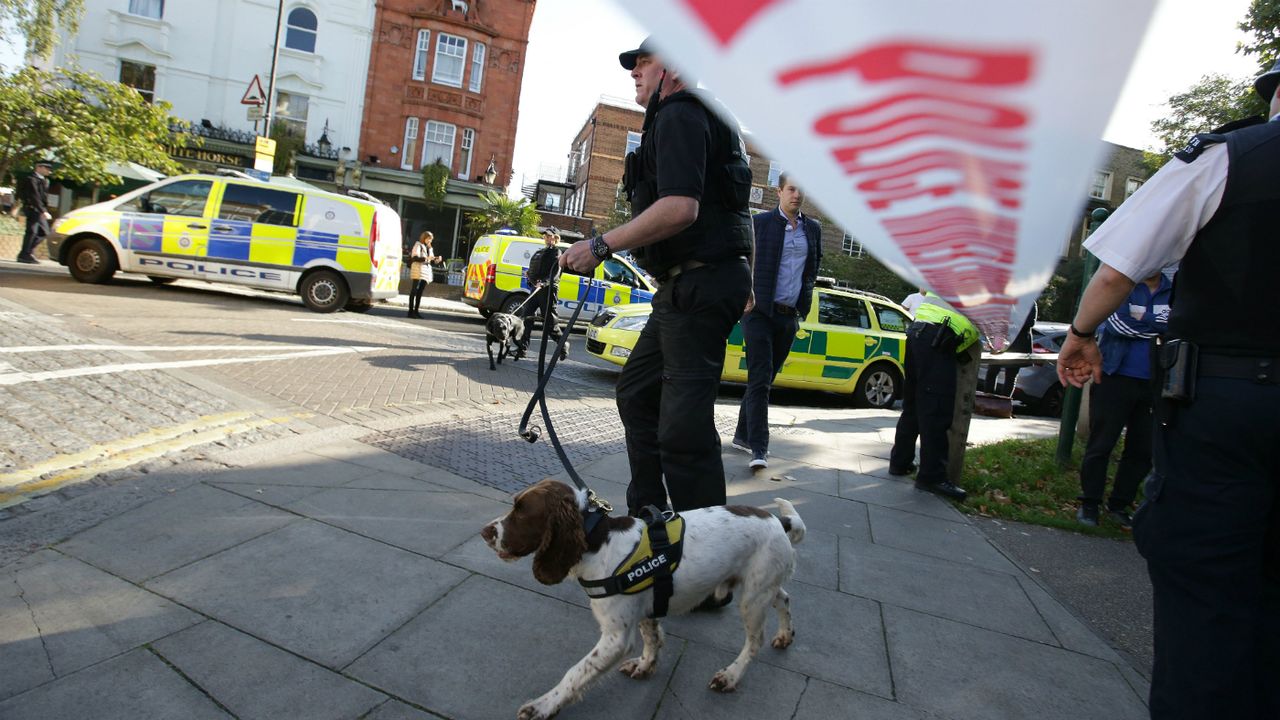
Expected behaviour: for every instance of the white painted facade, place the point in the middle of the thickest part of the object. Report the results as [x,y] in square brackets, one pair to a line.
[206,52]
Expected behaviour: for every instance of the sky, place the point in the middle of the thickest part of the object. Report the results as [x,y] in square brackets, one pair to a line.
[573,49]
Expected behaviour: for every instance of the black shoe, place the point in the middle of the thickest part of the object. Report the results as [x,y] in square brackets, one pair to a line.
[28,260]
[1121,518]
[945,489]
[1087,514]
[900,471]
[711,603]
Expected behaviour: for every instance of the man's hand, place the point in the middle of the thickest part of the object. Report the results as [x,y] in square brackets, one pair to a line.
[579,258]
[751,302]
[1078,360]
[47,216]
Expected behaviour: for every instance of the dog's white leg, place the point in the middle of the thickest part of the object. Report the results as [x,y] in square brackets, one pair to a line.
[607,652]
[643,666]
[782,603]
[753,607]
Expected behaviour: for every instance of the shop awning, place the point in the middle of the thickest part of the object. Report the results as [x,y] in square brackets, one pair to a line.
[134,171]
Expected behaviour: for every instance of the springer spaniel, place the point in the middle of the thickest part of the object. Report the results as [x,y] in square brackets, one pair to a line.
[726,547]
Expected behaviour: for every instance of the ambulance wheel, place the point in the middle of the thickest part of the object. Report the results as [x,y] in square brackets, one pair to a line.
[512,302]
[160,280]
[359,306]
[878,386]
[324,291]
[91,260]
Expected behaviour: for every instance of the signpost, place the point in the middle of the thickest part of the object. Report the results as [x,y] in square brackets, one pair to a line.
[264,154]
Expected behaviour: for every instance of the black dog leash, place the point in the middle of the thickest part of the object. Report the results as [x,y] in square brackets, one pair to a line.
[596,507]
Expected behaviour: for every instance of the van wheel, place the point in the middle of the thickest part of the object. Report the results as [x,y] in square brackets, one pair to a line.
[324,291]
[512,302]
[91,260]
[160,280]
[878,386]
[359,306]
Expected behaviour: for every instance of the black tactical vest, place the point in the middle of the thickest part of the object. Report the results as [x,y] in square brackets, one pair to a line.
[723,227]
[1219,298]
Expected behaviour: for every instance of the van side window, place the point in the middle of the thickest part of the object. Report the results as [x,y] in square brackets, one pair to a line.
[840,310]
[258,205]
[616,272]
[186,198]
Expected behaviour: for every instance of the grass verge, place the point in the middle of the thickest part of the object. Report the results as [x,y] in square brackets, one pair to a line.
[1020,480]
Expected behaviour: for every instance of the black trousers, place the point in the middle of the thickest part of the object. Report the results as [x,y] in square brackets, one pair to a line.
[1208,529]
[667,390]
[1117,404]
[37,230]
[928,405]
[536,305]
[767,341]
[1007,385]
[415,294]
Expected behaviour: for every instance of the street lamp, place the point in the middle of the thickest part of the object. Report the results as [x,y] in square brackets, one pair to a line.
[323,143]
[491,172]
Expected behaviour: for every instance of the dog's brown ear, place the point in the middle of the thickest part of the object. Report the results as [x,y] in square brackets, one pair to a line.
[563,540]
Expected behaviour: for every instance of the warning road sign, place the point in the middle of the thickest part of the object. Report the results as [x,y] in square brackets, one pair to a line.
[255,95]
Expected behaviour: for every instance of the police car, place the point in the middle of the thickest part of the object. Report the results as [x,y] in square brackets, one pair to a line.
[497,279]
[336,251]
[852,342]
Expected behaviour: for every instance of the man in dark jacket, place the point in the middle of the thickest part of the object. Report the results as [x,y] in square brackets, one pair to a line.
[788,253]
[34,194]
[544,279]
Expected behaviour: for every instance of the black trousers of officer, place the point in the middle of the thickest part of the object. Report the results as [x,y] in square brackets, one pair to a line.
[37,230]
[1210,534]
[1118,404]
[928,404]
[535,305]
[667,390]
[767,340]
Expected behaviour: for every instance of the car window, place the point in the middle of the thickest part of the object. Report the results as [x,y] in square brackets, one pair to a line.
[890,319]
[842,310]
[186,198]
[518,253]
[616,272]
[258,205]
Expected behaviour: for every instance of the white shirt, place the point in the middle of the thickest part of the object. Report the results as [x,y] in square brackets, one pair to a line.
[1154,228]
[912,302]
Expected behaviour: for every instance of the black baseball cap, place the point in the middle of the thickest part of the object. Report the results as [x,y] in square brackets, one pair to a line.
[628,58]
[45,163]
[1266,83]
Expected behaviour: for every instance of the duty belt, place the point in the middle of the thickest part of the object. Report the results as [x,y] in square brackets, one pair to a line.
[1262,370]
[685,266]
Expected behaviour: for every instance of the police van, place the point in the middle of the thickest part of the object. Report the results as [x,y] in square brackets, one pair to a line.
[334,250]
[497,279]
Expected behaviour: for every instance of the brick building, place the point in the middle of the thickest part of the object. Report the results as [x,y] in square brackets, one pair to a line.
[596,158]
[443,86]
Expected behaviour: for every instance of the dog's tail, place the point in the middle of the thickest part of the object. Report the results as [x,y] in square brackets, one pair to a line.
[790,520]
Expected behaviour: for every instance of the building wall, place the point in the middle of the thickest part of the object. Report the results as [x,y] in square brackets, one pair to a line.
[597,156]
[206,53]
[393,95]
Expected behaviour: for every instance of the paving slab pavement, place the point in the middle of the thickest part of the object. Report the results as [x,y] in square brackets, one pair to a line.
[339,579]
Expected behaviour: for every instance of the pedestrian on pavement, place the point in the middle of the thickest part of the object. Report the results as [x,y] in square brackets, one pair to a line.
[788,254]
[33,191]
[544,280]
[941,371]
[912,301]
[421,258]
[1122,402]
[1021,344]
[1210,525]
[688,184]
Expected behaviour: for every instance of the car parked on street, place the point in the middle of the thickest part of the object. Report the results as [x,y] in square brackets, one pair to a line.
[852,343]
[1038,387]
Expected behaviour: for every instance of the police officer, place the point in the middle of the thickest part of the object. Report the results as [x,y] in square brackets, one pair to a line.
[544,277]
[34,194]
[941,371]
[688,184]
[1208,528]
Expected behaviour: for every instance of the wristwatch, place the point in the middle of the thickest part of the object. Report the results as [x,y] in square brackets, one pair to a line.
[600,249]
[1079,333]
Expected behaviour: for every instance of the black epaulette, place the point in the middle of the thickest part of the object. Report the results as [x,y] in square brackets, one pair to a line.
[1198,145]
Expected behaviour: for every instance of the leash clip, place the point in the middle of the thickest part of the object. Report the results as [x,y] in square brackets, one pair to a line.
[532,434]
[595,501]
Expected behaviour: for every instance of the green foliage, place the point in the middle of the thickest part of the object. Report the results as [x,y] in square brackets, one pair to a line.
[619,214]
[501,211]
[865,273]
[1263,22]
[1213,101]
[1058,301]
[37,21]
[288,145]
[435,182]
[83,121]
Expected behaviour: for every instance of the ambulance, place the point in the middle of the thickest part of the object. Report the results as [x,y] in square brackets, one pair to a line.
[336,251]
[497,279]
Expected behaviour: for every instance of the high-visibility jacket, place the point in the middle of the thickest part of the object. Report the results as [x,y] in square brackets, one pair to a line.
[933,311]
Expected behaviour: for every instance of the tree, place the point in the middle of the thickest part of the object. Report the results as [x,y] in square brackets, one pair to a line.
[82,121]
[37,21]
[619,214]
[1262,21]
[501,211]
[865,273]
[288,144]
[435,183]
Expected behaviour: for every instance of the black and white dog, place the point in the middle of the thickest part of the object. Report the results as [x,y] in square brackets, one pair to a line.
[505,330]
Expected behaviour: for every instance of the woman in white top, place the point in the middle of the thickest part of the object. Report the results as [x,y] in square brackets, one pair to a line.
[421,258]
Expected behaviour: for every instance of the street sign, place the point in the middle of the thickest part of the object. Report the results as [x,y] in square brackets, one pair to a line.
[265,146]
[256,112]
[263,175]
[255,95]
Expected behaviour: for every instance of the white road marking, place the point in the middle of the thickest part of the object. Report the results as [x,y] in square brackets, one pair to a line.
[156,348]
[398,327]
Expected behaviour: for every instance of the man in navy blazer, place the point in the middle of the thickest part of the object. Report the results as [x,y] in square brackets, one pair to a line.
[787,256]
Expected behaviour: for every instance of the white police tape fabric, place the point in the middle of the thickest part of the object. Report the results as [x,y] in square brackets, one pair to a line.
[956,141]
